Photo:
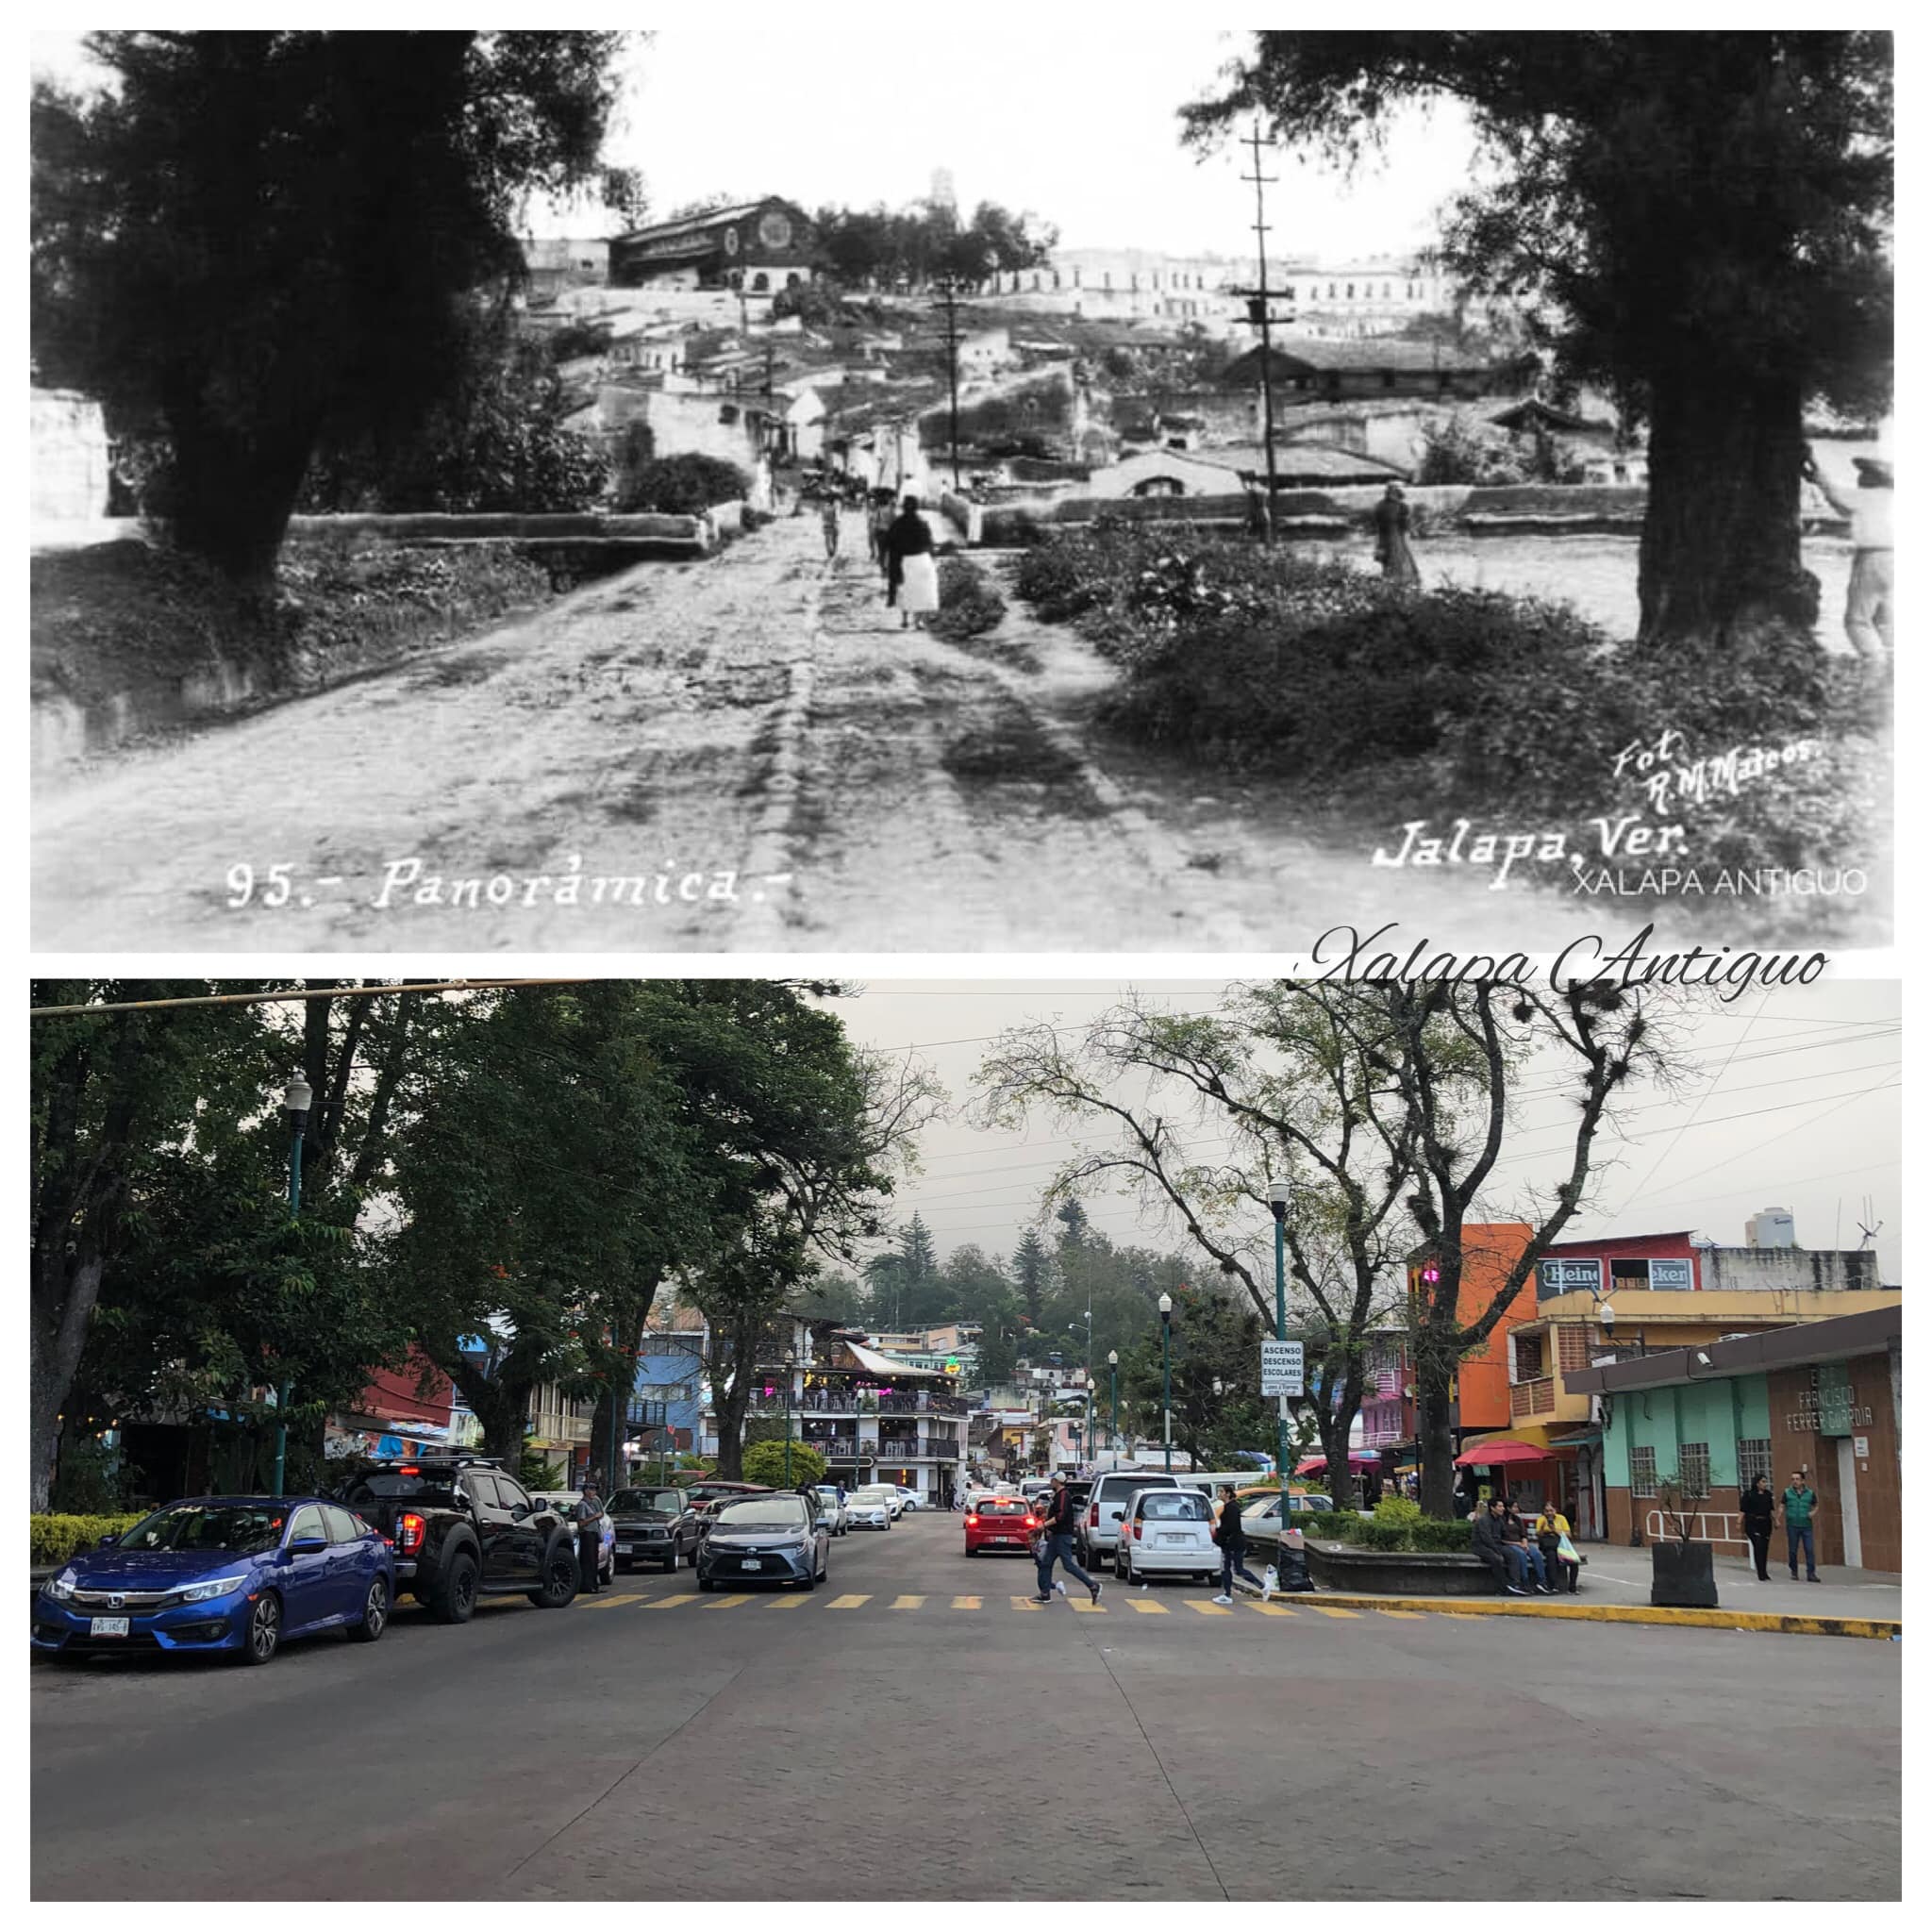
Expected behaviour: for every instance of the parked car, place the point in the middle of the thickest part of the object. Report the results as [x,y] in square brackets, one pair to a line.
[568,1504]
[1001,1523]
[1261,1509]
[836,1519]
[1100,1534]
[868,1509]
[654,1526]
[777,1538]
[1166,1532]
[220,1574]
[462,1527]
[911,1498]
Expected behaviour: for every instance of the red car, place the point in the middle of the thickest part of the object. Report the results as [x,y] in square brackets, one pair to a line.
[1001,1523]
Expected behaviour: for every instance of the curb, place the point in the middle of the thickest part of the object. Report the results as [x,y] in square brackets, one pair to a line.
[1790,1623]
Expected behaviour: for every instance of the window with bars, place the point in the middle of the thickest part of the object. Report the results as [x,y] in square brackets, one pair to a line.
[1753,1459]
[1693,1469]
[1642,1472]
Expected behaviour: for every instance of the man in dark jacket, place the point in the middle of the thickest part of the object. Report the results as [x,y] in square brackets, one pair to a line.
[590,1520]
[1056,1542]
[1232,1536]
[1486,1538]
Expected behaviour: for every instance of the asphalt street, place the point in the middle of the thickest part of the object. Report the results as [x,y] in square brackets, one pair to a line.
[915,1728]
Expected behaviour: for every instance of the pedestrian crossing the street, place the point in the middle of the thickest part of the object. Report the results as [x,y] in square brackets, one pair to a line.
[1120,1604]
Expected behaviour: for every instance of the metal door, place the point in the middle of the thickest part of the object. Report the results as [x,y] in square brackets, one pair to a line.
[1848,1505]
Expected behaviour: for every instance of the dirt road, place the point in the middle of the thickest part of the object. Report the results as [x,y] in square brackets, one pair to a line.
[745,753]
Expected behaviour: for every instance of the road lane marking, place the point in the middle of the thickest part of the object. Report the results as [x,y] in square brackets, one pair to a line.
[668,1603]
[1146,1609]
[788,1603]
[614,1603]
[1272,1610]
[966,1603]
[1410,1616]
[727,1603]
[1208,1610]
[1027,1602]
[848,1603]
[1090,1608]
[906,1602]
[1333,1610]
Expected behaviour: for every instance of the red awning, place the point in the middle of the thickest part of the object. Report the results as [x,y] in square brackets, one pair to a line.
[1502,1455]
[1357,1459]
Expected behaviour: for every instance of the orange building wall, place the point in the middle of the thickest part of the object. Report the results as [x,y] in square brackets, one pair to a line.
[1489,1250]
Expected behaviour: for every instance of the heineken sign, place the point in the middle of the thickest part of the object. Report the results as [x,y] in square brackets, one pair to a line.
[1555,1276]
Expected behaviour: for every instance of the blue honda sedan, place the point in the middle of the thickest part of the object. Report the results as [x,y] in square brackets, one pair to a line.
[235,1574]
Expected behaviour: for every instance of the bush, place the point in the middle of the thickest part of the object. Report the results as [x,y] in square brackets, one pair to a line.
[764,1462]
[969,604]
[680,485]
[1432,1533]
[1398,1510]
[53,1538]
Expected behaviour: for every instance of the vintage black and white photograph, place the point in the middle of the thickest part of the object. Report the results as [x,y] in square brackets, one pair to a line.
[701,492]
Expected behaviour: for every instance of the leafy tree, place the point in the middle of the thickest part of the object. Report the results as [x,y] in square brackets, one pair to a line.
[1216,1405]
[267,243]
[1708,214]
[764,1462]
[498,442]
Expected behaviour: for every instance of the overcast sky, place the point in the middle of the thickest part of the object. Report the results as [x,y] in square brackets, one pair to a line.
[1074,121]
[1792,1103]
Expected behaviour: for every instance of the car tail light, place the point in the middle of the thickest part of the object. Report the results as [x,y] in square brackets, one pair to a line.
[1033,1522]
[1137,1532]
[1093,1517]
[409,1536]
[973,1522]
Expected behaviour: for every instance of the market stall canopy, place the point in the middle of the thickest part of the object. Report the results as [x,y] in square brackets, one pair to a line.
[1357,1459]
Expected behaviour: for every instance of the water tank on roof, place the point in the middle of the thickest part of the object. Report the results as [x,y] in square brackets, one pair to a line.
[1772,1228]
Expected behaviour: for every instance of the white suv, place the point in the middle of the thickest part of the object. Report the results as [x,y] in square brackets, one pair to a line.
[1100,1534]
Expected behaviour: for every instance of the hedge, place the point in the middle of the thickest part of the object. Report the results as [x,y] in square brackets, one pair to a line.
[1424,1533]
[53,1538]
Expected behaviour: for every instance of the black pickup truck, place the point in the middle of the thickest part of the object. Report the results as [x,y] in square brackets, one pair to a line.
[462,1527]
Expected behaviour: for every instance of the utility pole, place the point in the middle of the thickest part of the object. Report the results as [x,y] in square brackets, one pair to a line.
[949,305]
[1259,315]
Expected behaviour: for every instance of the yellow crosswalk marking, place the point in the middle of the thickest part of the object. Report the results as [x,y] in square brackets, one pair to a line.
[1027,1602]
[906,1602]
[1333,1610]
[848,1603]
[1272,1610]
[1090,1608]
[1146,1609]
[668,1603]
[788,1603]
[965,1602]
[727,1603]
[1208,1610]
[1408,1616]
[612,1602]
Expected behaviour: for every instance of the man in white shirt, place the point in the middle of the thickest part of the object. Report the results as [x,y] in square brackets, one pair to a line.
[1868,608]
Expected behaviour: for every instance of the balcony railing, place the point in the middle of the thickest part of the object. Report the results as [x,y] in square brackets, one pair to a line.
[1533,1398]
[915,1449]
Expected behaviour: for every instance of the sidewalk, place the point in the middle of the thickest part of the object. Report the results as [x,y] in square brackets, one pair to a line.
[1615,1588]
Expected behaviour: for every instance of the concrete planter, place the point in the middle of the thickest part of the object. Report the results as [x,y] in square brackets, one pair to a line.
[1397,1572]
[1681,1577]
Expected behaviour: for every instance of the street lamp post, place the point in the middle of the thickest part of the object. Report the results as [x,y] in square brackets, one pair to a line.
[791,1359]
[1166,1307]
[1113,1399]
[1277,1206]
[296,1097]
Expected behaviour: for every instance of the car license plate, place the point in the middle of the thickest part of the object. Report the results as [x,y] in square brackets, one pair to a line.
[107,1626]
[1176,1541]
[754,1562]
[623,1549]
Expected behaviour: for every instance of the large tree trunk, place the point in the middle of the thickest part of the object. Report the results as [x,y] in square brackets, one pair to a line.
[1435,1428]
[1718,566]
[230,492]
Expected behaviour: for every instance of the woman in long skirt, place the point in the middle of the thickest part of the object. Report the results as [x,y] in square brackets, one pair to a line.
[912,575]
[1392,538]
